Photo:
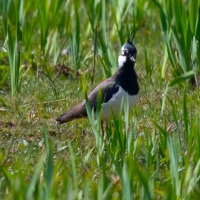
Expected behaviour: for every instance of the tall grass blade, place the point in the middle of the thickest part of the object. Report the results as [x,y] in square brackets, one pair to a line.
[126,182]
[48,170]
[182,77]
[174,165]
[35,177]
[14,61]
[164,96]
[5,182]
[179,29]
[185,114]
[43,10]
[73,166]
[193,10]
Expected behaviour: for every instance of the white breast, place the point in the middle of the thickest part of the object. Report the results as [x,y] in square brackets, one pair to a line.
[115,103]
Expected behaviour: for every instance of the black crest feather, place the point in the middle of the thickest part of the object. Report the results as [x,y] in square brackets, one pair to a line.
[132,32]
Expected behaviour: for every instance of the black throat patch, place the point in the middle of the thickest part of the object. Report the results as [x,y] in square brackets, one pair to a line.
[127,78]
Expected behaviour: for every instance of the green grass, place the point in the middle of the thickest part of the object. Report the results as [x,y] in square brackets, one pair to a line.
[151,153]
[157,157]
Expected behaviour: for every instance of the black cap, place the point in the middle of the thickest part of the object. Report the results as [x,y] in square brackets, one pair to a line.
[130,47]
[129,50]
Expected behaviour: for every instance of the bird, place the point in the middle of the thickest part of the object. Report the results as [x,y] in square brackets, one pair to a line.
[121,86]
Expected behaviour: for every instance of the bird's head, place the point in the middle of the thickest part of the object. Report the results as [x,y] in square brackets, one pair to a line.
[128,54]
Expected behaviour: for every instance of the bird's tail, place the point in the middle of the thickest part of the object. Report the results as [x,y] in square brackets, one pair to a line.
[77,112]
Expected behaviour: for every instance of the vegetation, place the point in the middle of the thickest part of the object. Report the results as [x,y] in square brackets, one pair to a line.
[52,53]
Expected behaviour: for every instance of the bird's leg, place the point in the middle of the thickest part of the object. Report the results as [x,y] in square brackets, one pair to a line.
[104,129]
[106,126]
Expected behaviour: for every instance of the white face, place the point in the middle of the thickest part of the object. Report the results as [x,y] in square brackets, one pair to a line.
[123,50]
[122,58]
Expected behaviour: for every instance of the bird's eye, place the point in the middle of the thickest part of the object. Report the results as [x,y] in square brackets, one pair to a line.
[125,51]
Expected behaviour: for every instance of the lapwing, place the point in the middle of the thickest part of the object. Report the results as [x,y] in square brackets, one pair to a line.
[122,86]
